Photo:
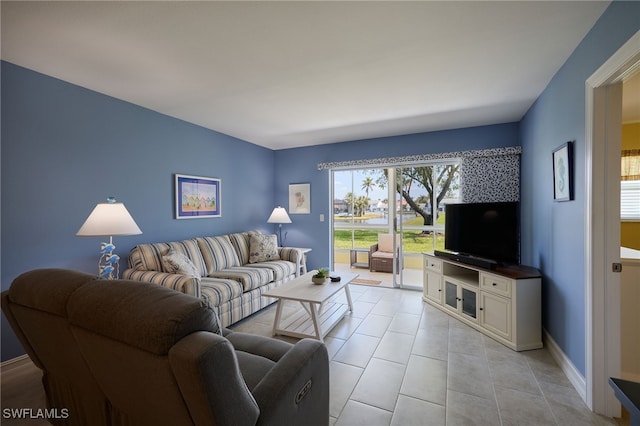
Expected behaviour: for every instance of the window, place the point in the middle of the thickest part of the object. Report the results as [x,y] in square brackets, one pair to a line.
[630,185]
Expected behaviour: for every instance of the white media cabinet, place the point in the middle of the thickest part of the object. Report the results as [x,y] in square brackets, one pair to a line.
[502,303]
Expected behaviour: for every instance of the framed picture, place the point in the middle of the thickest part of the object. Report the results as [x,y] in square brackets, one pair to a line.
[563,172]
[299,198]
[198,197]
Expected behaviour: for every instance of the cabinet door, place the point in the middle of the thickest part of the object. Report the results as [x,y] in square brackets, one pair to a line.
[469,305]
[461,299]
[451,295]
[433,287]
[495,314]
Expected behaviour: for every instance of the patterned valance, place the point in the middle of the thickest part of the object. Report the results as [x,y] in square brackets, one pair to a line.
[486,175]
[421,158]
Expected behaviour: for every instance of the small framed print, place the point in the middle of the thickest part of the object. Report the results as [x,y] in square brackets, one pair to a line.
[563,172]
[300,198]
[198,197]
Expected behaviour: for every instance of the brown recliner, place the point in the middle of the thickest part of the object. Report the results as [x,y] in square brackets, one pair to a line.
[130,353]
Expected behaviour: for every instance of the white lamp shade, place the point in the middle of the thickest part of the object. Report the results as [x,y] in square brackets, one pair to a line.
[109,219]
[279,215]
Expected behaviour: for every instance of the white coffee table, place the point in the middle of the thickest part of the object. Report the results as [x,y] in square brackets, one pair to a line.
[320,314]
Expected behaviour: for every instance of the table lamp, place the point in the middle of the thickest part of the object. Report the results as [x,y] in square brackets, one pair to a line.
[279,215]
[109,219]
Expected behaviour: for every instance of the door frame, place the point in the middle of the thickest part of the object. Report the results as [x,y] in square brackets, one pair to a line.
[602,323]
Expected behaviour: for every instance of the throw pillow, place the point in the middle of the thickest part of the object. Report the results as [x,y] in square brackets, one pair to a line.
[263,248]
[177,263]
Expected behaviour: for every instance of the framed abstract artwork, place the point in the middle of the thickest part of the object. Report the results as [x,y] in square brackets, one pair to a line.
[563,172]
[198,197]
[300,198]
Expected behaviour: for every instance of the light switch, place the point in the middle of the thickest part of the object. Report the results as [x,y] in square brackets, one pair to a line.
[321,218]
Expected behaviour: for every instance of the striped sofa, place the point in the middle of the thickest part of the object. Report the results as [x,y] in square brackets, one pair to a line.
[225,278]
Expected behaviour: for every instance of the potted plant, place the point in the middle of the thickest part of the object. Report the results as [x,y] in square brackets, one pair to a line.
[321,276]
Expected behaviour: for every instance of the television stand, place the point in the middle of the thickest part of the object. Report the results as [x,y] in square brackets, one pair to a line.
[503,303]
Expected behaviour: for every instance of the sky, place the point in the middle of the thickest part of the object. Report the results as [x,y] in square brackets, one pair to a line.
[342,185]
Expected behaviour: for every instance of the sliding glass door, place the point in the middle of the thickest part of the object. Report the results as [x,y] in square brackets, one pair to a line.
[401,209]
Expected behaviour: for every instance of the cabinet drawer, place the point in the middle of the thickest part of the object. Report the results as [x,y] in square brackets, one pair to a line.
[495,284]
[432,264]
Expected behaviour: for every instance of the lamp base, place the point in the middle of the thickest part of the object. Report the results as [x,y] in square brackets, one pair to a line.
[109,262]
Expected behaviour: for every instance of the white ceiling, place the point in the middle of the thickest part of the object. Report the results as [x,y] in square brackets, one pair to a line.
[290,74]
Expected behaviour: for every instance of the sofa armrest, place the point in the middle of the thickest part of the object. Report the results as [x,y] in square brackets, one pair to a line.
[373,248]
[182,283]
[292,254]
[296,390]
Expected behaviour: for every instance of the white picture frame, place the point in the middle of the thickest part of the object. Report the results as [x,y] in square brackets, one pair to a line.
[299,198]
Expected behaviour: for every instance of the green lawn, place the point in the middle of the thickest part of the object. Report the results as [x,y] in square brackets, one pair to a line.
[413,241]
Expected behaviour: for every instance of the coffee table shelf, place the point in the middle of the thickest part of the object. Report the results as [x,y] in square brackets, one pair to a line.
[321,309]
[301,324]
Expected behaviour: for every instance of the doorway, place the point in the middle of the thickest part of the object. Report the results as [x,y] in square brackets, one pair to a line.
[602,201]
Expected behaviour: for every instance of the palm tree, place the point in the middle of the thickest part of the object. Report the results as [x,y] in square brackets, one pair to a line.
[361,203]
[368,184]
[349,199]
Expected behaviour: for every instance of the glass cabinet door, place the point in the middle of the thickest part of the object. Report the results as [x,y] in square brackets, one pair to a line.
[451,294]
[469,302]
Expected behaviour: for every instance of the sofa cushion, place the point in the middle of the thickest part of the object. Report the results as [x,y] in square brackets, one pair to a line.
[175,262]
[280,268]
[250,278]
[263,248]
[240,241]
[218,253]
[148,257]
[217,291]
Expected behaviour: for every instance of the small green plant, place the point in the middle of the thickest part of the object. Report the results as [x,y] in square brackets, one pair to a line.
[322,273]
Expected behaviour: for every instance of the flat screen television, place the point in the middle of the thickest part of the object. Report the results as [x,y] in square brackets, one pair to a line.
[485,230]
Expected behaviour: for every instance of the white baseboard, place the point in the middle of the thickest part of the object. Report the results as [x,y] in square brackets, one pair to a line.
[577,380]
[12,361]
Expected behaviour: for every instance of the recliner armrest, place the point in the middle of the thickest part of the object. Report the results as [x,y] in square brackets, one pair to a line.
[296,390]
[206,370]
[266,347]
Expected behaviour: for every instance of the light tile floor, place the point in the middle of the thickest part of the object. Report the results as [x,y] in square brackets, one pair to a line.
[399,361]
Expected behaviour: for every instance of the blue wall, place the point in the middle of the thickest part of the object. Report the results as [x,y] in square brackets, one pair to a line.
[59,141]
[66,148]
[299,165]
[553,233]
